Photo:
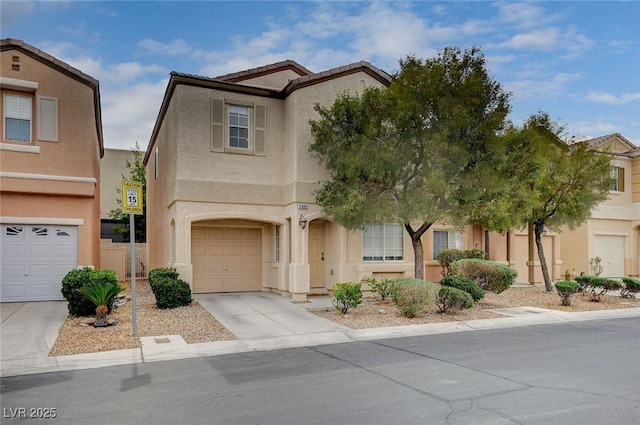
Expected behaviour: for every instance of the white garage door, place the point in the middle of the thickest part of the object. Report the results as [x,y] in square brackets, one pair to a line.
[226,259]
[35,258]
[611,250]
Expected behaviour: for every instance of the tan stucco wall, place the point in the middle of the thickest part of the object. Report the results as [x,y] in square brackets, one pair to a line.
[55,181]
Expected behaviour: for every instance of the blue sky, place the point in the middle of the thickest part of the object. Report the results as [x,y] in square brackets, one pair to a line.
[577,61]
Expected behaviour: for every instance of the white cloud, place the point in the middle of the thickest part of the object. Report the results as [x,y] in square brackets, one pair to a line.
[589,130]
[523,89]
[12,12]
[541,39]
[129,114]
[611,99]
[176,47]
[524,15]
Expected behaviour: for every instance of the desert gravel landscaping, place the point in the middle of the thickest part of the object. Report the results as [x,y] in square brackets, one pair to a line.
[195,324]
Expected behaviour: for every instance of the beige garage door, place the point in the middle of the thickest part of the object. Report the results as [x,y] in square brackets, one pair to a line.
[611,250]
[226,259]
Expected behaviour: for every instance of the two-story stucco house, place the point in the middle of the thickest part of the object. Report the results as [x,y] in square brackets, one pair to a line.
[230,185]
[49,172]
[613,231]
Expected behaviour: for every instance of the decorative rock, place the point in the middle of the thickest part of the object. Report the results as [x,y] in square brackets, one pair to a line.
[112,322]
[88,321]
[382,311]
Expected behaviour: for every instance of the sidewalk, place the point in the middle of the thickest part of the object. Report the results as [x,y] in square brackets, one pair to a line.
[260,321]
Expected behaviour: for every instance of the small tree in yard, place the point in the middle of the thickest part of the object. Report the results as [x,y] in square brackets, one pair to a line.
[547,182]
[101,295]
[400,154]
[566,288]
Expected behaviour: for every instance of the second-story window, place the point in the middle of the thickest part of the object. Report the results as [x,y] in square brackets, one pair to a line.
[238,126]
[17,118]
[617,176]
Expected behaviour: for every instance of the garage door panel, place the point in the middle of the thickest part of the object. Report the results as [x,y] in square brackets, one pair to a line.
[35,258]
[233,260]
[610,249]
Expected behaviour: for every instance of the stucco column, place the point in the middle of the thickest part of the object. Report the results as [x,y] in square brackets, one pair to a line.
[299,283]
[182,243]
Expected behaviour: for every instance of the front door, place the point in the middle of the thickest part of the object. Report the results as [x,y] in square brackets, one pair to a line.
[317,254]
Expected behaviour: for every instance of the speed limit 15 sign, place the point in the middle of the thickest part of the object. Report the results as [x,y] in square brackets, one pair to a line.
[131,197]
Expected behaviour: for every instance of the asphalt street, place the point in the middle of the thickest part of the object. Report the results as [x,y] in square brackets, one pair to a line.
[575,373]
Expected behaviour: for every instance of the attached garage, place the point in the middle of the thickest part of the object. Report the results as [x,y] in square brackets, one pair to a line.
[35,258]
[226,259]
[610,248]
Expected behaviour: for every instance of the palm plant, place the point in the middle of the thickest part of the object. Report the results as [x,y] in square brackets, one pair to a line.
[100,295]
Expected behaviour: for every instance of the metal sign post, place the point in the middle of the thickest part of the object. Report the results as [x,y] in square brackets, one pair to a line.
[132,204]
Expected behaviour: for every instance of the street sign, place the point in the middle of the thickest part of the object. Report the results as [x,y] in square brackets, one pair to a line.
[131,197]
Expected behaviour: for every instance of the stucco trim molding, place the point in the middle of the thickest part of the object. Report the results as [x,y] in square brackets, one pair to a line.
[190,219]
[15,84]
[608,233]
[19,148]
[12,175]
[42,220]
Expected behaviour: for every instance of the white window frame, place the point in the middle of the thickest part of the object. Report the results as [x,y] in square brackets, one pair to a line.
[233,122]
[276,247]
[455,240]
[17,116]
[383,242]
[615,175]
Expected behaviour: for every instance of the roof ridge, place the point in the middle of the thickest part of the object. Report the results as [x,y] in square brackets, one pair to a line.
[265,69]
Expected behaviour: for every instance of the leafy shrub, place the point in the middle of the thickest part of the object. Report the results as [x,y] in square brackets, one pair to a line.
[631,287]
[162,273]
[382,287]
[412,297]
[464,284]
[453,298]
[347,295]
[565,289]
[100,295]
[597,286]
[171,293]
[488,275]
[78,304]
[446,257]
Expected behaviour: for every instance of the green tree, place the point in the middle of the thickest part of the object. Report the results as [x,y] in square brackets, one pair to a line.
[137,173]
[402,153]
[546,181]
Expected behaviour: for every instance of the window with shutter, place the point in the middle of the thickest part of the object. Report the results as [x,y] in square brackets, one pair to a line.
[617,176]
[238,127]
[260,130]
[48,119]
[17,118]
[217,125]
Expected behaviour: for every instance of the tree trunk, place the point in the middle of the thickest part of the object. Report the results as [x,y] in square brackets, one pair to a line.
[101,317]
[416,241]
[538,229]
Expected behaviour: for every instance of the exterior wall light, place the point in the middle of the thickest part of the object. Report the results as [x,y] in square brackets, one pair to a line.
[302,221]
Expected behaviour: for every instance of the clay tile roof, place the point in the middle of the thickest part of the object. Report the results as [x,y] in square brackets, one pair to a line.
[599,141]
[266,69]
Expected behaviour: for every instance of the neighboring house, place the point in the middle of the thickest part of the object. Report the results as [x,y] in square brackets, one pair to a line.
[49,172]
[230,185]
[113,167]
[612,233]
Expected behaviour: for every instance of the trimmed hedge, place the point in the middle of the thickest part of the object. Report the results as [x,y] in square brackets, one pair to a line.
[565,289]
[78,304]
[488,275]
[162,273]
[631,287]
[412,297]
[597,286]
[464,284]
[446,257]
[171,293]
[453,298]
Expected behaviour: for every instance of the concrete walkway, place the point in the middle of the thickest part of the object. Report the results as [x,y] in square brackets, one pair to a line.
[260,321]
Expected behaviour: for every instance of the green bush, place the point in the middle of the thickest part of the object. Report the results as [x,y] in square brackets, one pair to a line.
[382,287]
[171,293]
[488,275]
[597,286]
[464,284]
[347,295]
[446,257]
[631,287]
[453,298]
[78,304]
[162,273]
[412,297]
[565,289]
